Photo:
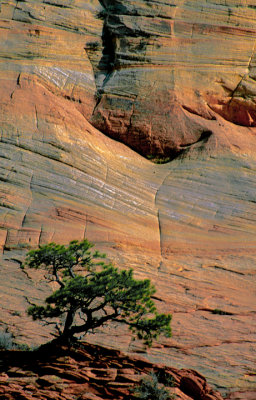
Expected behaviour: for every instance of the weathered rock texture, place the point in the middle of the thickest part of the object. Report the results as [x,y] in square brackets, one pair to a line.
[189,225]
[166,60]
[90,373]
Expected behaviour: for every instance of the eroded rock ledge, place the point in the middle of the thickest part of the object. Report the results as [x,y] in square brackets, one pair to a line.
[163,61]
[139,70]
[89,373]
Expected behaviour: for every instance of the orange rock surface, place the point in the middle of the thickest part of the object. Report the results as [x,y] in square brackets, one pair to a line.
[91,373]
[188,225]
[170,60]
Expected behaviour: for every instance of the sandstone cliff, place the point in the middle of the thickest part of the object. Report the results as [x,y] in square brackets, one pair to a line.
[163,61]
[90,373]
[171,79]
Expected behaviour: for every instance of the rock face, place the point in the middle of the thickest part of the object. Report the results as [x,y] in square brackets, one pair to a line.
[166,78]
[164,61]
[141,69]
[90,373]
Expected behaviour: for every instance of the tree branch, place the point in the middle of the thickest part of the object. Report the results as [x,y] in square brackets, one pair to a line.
[57,326]
[123,321]
[100,307]
[58,280]
[92,323]
[81,316]
[71,273]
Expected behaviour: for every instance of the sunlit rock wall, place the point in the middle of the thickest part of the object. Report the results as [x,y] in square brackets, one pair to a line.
[166,78]
[163,61]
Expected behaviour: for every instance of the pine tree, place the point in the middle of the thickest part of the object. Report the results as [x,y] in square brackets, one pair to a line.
[93,293]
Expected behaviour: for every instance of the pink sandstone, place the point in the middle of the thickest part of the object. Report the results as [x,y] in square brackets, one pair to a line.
[178,80]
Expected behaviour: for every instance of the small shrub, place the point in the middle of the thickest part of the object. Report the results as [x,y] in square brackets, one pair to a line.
[92,45]
[22,347]
[158,159]
[16,313]
[167,380]
[6,341]
[150,389]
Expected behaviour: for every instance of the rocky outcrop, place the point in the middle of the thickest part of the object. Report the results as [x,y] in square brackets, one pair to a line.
[90,373]
[140,69]
[165,61]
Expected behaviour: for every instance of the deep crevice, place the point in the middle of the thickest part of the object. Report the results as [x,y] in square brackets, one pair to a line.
[56,4]
[107,62]
[205,135]
[179,151]
[107,65]
[216,311]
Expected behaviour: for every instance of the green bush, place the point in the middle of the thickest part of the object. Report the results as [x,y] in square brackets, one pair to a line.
[22,347]
[150,389]
[6,341]
[158,159]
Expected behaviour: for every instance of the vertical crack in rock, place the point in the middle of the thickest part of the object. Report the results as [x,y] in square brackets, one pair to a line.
[158,213]
[160,235]
[250,59]
[37,125]
[24,219]
[106,65]
[31,199]
[40,235]
[85,226]
[18,85]
[14,9]
[5,240]
[107,62]
[18,79]
[129,127]
[245,74]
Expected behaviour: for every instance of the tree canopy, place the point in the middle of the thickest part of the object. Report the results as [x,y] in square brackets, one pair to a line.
[93,293]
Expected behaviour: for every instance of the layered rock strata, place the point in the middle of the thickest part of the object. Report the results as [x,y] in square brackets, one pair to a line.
[165,61]
[91,373]
[189,225]
[140,69]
